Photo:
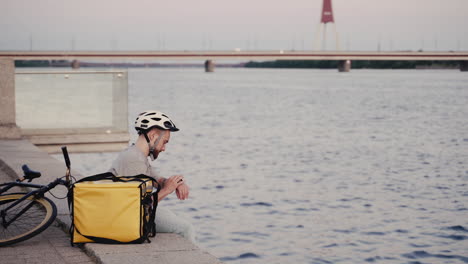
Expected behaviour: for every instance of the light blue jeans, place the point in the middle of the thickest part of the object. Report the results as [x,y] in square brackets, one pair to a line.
[168,222]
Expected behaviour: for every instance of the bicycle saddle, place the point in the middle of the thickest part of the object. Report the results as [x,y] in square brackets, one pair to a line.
[30,174]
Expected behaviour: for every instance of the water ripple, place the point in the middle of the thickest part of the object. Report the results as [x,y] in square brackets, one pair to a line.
[454,237]
[424,254]
[242,256]
[320,261]
[458,228]
[345,231]
[256,204]
[330,245]
[241,240]
[419,246]
[251,234]
[377,258]
[374,233]
[403,231]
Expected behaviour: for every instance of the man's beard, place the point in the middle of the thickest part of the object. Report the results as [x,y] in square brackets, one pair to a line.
[154,155]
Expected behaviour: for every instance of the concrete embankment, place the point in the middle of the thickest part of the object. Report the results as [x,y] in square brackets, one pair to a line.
[165,247]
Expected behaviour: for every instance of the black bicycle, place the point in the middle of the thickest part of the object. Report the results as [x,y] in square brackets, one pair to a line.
[24,215]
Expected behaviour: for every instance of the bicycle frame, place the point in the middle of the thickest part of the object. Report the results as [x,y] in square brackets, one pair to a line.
[41,189]
[38,193]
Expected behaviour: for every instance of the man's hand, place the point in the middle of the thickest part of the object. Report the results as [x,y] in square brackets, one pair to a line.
[173,182]
[182,191]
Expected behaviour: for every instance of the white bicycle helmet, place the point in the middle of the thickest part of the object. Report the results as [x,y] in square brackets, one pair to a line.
[152,118]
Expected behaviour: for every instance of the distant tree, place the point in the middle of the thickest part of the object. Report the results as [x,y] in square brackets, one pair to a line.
[358,64]
[32,63]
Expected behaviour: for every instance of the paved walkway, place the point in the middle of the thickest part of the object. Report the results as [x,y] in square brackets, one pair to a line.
[53,245]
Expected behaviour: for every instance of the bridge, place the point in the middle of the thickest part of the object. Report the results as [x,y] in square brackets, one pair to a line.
[344,57]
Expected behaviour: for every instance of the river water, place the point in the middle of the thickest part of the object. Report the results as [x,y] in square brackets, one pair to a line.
[314,166]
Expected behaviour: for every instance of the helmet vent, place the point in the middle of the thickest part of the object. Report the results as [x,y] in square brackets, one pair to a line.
[168,124]
[156,119]
[153,113]
[145,121]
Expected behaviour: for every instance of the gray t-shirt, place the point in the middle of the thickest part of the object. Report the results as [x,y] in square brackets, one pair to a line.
[131,162]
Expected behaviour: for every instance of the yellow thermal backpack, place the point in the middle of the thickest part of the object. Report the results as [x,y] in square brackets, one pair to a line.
[115,210]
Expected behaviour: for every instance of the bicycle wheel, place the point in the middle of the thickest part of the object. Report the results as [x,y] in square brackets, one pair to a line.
[39,214]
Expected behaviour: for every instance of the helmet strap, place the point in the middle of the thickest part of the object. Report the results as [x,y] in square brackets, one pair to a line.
[146,137]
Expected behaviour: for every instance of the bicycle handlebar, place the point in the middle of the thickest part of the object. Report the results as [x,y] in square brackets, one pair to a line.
[65,156]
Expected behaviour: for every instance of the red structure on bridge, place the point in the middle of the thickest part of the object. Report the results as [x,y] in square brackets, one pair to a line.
[327,17]
[327,12]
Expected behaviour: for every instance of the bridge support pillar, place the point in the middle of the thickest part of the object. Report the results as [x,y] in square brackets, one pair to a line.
[8,127]
[463,66]
[75,64]
[209,66]
[344,66]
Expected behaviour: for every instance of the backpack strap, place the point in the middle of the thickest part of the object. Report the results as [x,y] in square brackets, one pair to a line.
[152,219]
[108,240]
[98,177]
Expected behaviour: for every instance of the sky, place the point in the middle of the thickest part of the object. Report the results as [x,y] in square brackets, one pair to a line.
[361,25]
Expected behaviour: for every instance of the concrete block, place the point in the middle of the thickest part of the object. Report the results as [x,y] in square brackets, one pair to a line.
[168,257]
[8,128]
[9,131]
[7,91]
[344,66]
[464,66]
[209,66]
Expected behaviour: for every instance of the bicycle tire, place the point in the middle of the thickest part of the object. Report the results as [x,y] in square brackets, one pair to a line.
[36,219]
